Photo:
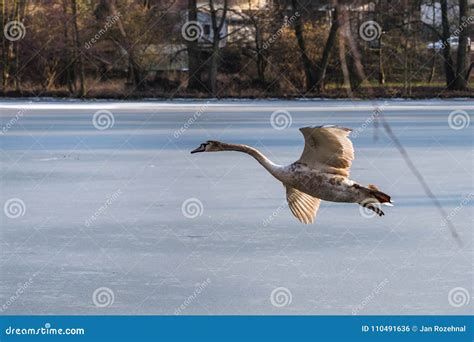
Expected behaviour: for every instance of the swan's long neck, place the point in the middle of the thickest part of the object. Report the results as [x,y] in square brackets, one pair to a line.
[270,166]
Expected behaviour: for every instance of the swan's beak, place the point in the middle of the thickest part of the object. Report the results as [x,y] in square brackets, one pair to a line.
[201,148]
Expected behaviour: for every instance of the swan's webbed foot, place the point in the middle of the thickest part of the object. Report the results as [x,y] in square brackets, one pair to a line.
[374,208]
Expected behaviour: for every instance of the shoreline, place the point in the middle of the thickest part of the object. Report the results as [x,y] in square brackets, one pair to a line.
[419,93]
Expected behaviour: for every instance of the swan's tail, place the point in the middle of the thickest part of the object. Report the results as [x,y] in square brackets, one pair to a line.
[373,197]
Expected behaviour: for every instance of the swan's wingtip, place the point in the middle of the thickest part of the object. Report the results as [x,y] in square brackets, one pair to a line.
[327,126]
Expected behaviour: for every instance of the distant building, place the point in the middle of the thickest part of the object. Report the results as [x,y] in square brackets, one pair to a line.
[173,57]
[431,13]
[207,36]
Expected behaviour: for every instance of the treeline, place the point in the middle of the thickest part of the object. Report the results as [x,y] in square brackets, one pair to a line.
[171,48]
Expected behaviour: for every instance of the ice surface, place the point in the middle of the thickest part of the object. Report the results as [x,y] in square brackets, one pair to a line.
[133,178]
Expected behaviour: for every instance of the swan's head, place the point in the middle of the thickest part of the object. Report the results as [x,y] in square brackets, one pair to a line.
[209,146]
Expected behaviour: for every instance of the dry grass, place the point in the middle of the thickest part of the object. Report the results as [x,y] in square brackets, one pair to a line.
[117,89]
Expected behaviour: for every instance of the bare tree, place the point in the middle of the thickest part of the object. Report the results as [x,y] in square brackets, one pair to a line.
[109,8]
[16,48]
[306,61]
[194,74]
[456,75]
[5,47]
[461,75]
[217,23]
[328,48]
[343,33]
[433,62]
[315,72]
[70,62]
[258,19]
[446,34]
[11,48]
[77,39]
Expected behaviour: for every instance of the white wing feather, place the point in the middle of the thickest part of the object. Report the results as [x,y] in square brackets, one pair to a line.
[328,149]
[303,206]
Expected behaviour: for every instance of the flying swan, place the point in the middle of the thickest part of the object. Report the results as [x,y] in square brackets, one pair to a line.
[321,173]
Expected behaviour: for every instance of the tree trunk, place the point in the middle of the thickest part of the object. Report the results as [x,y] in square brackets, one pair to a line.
[194,73]
[405,67]
[433,68]
[356,69]
[328,47]
[16,49]
[82,88]
[381,63]
[216,30]
[468,73]
[448,61]
[433,64]
[213,68]
[342,51]
[5,48]
[460,81]
[67,54]
[260,51]
[307,64]
[134,69]
[107,8]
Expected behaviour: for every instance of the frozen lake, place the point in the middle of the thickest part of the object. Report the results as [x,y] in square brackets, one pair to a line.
[101,230]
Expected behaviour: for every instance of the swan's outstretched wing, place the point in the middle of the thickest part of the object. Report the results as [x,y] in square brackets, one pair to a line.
[302,205]
[327,148]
